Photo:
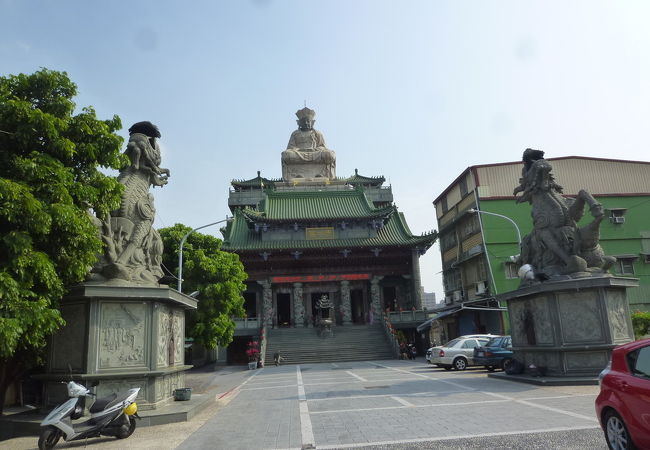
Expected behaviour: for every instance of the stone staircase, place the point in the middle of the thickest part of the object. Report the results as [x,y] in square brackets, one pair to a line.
[347,343]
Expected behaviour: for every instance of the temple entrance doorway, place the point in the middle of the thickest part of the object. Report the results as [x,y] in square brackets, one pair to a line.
[284,310]
[250,304]
[390,298]
[315,312]
[358,307]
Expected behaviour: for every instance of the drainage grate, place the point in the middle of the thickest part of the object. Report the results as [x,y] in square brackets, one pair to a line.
[376,387]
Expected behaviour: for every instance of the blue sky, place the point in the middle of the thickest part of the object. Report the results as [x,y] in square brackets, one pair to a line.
[412,90]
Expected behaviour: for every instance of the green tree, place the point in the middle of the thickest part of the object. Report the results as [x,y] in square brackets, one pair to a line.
[49,179]
[218,276]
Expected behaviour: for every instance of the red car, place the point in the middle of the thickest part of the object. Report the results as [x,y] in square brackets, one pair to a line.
[623,405]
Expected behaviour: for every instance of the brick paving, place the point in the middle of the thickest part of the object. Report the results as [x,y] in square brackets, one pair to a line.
[383,404]
[375,403]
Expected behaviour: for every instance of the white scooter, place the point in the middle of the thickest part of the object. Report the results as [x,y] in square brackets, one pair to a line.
[109,416]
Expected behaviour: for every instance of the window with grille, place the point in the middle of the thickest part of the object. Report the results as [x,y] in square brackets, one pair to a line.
[625,266]
[511,270]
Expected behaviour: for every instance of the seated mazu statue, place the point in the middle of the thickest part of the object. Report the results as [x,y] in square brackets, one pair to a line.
[324,322]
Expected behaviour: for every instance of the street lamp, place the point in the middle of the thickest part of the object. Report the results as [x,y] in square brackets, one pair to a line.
[472,210]
[477,211]
[180,250]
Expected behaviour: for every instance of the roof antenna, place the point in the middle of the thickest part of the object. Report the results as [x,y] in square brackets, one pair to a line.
[305,102]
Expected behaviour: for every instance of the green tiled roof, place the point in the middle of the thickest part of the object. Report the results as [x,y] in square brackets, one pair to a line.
[357,179]
[238,237]
[258,181]
[292,206]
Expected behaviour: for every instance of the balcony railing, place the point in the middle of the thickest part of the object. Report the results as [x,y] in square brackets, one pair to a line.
[246,323]
[407,316]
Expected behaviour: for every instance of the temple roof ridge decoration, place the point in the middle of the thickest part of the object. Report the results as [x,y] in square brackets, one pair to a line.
[257,182]
[260,182]
[301,206]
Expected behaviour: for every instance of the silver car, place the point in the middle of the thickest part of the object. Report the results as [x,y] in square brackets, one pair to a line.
[458,353]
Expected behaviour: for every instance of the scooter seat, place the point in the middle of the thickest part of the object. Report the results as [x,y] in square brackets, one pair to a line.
[101,403]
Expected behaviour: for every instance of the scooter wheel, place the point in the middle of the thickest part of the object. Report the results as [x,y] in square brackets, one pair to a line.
[126,430]
[49,437]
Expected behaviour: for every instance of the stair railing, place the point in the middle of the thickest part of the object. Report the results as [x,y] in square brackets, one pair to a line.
[390,334]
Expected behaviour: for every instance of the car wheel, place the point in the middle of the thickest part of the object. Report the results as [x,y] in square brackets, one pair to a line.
[505,363]
[618,438]
[460,364]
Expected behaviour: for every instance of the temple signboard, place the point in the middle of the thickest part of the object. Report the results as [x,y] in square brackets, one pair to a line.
[318,233]
[321,278]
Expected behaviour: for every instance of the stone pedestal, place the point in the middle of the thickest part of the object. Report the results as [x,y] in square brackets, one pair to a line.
[123,337]
[570,327]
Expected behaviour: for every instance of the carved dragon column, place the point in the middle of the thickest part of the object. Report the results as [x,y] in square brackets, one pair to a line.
[267,303]
[346,307]
[298,306]
[417,292]
[375,296]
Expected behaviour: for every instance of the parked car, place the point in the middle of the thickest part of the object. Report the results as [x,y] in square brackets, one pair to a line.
[497,353]
[622,406]
[458,353]
[430,349]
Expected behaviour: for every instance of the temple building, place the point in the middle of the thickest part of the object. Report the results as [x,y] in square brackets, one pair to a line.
[311,234]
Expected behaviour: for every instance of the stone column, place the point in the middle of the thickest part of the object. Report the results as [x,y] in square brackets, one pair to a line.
[309,307]
[417,292]
[346,307]
[375,297]
[267,303]
[298,306]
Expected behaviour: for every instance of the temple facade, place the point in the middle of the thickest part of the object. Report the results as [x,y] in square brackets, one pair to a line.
[310,235]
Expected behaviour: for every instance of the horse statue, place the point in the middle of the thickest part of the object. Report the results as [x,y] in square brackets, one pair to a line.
[133,248]
[557,247]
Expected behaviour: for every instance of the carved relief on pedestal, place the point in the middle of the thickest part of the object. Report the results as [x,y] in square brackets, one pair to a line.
[532,325]
[164,336]
[298,306]
[122,335]
[68,343]
[346,306]
[618,315]
[108,387]
[580,317]
[179,338]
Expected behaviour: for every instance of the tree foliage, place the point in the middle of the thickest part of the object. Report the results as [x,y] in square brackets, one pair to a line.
[218,276]
[49,178]
[641,324]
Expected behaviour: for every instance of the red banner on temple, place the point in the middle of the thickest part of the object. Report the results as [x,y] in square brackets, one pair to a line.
[321,278]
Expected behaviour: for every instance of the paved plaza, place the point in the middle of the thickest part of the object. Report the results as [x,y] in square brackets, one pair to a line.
[383,404]
[389,402]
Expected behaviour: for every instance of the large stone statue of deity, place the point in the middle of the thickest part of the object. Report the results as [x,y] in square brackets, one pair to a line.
[307,156]
[133,248]
[557,247]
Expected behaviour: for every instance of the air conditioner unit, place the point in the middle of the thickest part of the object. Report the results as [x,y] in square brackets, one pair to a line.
[458,295]
[481,287]
[618,219]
